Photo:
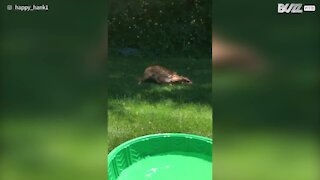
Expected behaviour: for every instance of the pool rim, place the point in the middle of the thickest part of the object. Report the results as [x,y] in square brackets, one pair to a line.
[126,144]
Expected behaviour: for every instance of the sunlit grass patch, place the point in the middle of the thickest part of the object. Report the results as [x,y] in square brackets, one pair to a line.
[131,118]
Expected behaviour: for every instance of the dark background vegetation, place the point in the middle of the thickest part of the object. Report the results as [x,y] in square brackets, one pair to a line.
[53,95]
[161,28]
[266,123]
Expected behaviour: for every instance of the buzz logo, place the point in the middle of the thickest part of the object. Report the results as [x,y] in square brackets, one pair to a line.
[295,8]
[289,8]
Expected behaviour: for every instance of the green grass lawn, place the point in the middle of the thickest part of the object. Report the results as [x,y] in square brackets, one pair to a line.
[135,110]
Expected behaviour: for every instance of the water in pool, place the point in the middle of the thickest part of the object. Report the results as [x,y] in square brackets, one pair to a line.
[169,167]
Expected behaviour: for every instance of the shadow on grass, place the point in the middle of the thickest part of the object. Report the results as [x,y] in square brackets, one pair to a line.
[124,74]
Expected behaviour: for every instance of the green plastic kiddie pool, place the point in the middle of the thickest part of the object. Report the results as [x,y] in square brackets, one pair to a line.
[162,157]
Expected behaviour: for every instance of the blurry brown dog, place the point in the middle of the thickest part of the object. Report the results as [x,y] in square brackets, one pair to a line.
[163,75]
[226,54]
